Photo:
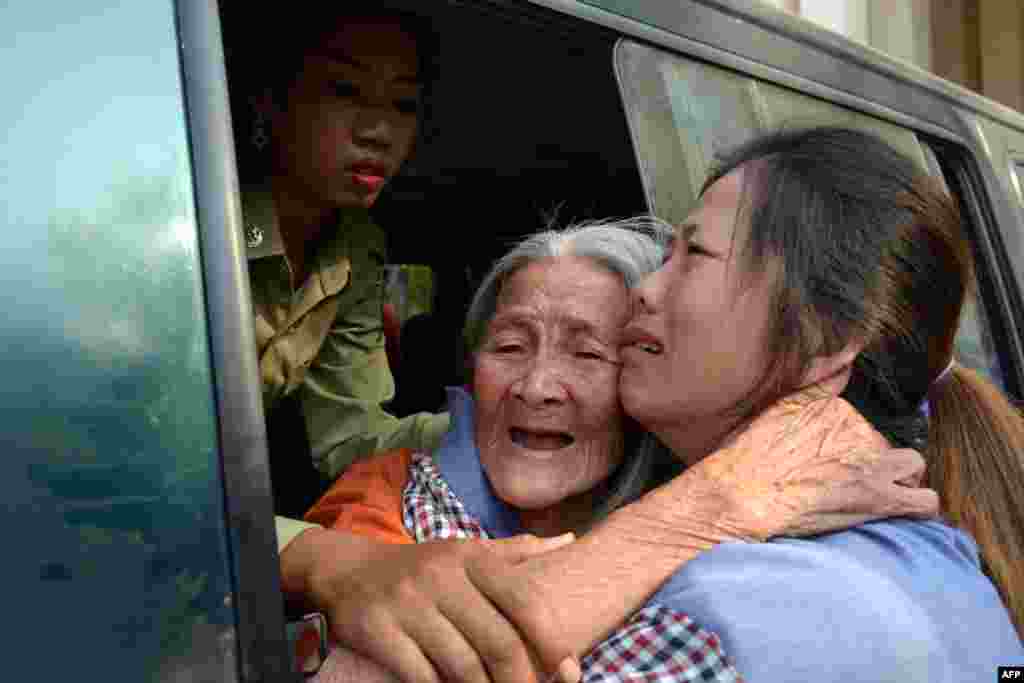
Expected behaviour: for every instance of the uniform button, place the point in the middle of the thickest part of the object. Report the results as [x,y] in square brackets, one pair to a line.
[253,236]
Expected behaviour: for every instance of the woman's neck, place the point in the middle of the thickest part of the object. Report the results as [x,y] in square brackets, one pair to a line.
[692,440]
[300,223]
[573,514]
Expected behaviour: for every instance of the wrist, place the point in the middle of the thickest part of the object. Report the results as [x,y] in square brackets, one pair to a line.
[314,559]
[336,557]
[695,512]
[297,559]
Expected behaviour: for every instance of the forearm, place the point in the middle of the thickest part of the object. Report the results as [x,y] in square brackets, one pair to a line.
[800,468]
[313,549]
[597,583]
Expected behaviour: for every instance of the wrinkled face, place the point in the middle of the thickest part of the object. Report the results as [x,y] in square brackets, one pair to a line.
[696,343]
[548,421]
[349,119]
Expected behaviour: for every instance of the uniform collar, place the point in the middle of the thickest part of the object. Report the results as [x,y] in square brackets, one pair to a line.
[263,237]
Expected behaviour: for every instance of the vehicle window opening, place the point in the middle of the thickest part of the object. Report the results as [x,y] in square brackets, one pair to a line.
[983,340]
[532,136]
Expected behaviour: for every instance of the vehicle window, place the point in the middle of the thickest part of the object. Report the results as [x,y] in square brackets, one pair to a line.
[786,108]
[975,347]
[682,112]
[117,565]
[974,344]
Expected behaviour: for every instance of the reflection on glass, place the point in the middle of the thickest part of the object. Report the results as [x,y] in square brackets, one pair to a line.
[677,110]
[974,345]
[110,480]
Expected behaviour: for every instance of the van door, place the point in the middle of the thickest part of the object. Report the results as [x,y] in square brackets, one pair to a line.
[118,552]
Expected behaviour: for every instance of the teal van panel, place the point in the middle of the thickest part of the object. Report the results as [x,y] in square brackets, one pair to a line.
[117,557]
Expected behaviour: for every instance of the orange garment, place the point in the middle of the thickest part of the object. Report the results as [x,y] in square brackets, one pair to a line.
[367,499]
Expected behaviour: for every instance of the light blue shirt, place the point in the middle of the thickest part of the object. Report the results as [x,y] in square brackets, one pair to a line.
[897,600]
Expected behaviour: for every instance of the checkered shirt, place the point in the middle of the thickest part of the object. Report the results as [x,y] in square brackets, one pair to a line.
[657,645]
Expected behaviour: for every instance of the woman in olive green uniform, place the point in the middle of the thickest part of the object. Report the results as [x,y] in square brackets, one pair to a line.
[332,125]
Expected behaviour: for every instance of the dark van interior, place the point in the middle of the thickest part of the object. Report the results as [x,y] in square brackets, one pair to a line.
[527,127]
[523,127]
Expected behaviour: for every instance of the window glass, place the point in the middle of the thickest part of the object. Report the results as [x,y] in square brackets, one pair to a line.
[974,345]
[786,108]
[117,564]
[681,114]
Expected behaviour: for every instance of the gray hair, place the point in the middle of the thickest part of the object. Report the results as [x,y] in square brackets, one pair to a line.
[630,248]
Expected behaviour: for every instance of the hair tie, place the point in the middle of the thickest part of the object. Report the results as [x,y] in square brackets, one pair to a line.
[925,407]
[944,373]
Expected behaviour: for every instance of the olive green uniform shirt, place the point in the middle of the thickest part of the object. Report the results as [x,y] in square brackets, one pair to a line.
[325,341]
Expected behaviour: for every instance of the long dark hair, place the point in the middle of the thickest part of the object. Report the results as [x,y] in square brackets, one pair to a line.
[869,248]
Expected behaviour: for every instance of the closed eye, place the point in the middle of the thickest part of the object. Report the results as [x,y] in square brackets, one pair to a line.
[698,250]
[508,348]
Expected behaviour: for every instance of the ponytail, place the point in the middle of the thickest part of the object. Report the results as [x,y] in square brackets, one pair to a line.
[975,457]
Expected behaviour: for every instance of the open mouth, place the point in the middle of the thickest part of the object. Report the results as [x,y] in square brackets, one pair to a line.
[540,440]
[370,182]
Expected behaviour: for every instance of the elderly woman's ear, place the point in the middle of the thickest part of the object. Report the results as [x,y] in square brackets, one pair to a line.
[832,372]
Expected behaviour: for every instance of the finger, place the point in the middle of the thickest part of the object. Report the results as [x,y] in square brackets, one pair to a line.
[879,499]
[518,599]
[452,649]
[517,549]
[344,665]
[914,502]
[901,464]
[386,644]
[492,635]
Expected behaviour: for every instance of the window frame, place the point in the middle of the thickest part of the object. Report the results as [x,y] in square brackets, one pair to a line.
[262,648]
[1017,177]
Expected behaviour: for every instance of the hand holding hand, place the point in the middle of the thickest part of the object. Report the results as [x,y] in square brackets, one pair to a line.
[454,611]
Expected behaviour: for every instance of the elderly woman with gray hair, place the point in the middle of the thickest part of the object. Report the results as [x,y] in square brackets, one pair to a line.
[541,448]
